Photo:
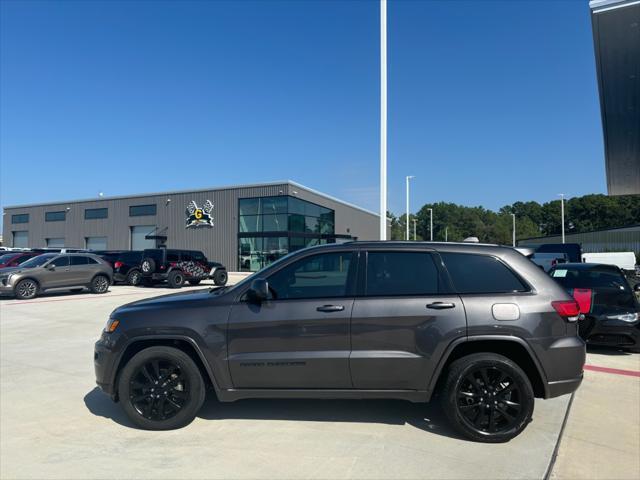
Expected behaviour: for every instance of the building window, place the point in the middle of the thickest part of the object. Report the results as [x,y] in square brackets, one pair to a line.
[96,243]
[271,227]
[92,213]
[21,239]
[55,242]
[20,218]
[55,216]
[138,237]
[142,210]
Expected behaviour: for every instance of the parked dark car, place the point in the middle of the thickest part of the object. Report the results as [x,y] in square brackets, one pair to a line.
[480,324]
[177,266]
[125,264]
[15,259]
[607,301]
[55,271]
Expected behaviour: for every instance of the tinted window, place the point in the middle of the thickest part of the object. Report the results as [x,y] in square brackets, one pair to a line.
[472,273]
[186,257]
[591,278]
[78,260]
[401,273]
[317,276]
[55,216]
[61,261]
[131,257]
[92,261]
[198,257]
[142,210]
[91,213]
[173,256]
[21,218]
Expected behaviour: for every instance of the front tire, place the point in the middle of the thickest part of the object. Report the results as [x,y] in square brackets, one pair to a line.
[175,279]
[220,277]
[100,284]
[26,289]
[487,398]
[161,388]
[134,278]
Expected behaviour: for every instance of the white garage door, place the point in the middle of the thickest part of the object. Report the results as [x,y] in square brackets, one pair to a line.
[21,239]
[96,243]
[138,242]
[55,242]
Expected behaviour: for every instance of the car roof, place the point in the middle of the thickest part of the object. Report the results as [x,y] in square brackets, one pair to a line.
[586,266]
[438,246]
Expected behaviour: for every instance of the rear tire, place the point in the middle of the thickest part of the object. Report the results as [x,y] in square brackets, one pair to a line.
[220,277]
[26,289]
[134,278]
[100,284]
[175,279]
[161,388]
[487,397]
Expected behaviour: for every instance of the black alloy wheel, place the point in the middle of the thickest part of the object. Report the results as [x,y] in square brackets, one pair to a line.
[134,278]
[161,388]
[158,390]
[488,398]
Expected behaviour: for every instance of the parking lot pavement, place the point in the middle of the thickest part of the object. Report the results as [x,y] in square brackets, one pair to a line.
[601,439]
[54,423]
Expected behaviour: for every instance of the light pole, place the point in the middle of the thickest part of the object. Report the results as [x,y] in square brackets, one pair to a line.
[414,230]
[446,234]
[513,215]
[383,119]
[562,213]
[430,223]
[407,178]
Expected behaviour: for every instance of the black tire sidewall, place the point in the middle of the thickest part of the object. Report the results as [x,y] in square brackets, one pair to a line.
[172,279]
[220,277]
[131,274]
[456,373]
[20,297]
[194,380]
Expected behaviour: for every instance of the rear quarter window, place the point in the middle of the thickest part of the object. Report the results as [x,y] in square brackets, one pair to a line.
[475,273]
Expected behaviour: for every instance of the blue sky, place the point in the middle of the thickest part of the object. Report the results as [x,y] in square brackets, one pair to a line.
[489,102]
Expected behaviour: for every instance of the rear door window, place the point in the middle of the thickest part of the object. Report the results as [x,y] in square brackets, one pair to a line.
[473,273]
[401,273]
[173,256]
[78,260]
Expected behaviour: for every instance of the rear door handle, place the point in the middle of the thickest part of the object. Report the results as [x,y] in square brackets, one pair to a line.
[330,308]
[440,305]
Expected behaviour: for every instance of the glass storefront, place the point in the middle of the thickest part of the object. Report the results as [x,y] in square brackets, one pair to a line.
[271,227]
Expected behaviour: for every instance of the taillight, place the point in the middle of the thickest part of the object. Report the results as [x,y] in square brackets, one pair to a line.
[583,297]
[118,264]
[567,309]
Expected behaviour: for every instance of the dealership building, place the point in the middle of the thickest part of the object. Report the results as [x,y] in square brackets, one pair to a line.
[245,227]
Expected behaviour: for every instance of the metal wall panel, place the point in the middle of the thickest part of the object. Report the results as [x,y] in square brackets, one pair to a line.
[219,243]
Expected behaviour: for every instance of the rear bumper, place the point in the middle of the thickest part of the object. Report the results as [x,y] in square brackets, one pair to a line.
[562,361]
[563,387]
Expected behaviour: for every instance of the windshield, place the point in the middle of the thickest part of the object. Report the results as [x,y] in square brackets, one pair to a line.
[6,257]
[39,260]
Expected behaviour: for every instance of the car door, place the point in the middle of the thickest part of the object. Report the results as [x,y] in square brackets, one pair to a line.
[80,272]
[60,275]
[298,338]
[403,318]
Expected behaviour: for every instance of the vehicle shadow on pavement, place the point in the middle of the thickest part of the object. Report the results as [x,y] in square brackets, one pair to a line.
[427,417]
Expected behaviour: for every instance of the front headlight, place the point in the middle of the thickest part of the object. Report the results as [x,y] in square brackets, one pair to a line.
[625,317]
[111,325]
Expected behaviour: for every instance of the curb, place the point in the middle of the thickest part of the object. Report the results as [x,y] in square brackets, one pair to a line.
[554,456]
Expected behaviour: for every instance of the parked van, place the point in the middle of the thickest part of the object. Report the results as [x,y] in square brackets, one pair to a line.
[624,260]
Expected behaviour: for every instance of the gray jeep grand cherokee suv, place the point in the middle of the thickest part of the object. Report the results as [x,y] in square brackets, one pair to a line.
[481,325]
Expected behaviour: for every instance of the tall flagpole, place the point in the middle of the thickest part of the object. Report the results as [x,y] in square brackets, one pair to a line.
[383,119]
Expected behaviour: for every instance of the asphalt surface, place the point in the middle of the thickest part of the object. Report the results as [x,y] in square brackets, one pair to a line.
[54,422]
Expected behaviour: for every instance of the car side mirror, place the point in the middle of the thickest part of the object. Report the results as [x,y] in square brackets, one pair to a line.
[259,291]
[636,288]
[51,267]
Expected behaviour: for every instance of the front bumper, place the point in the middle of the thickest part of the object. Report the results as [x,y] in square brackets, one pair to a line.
[104,363]
[6,290]
[613,333]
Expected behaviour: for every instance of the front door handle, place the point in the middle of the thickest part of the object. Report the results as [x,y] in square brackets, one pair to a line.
[330,308]
[440,305]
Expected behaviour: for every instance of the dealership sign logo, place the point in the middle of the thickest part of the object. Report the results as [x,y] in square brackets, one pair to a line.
[199,217]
